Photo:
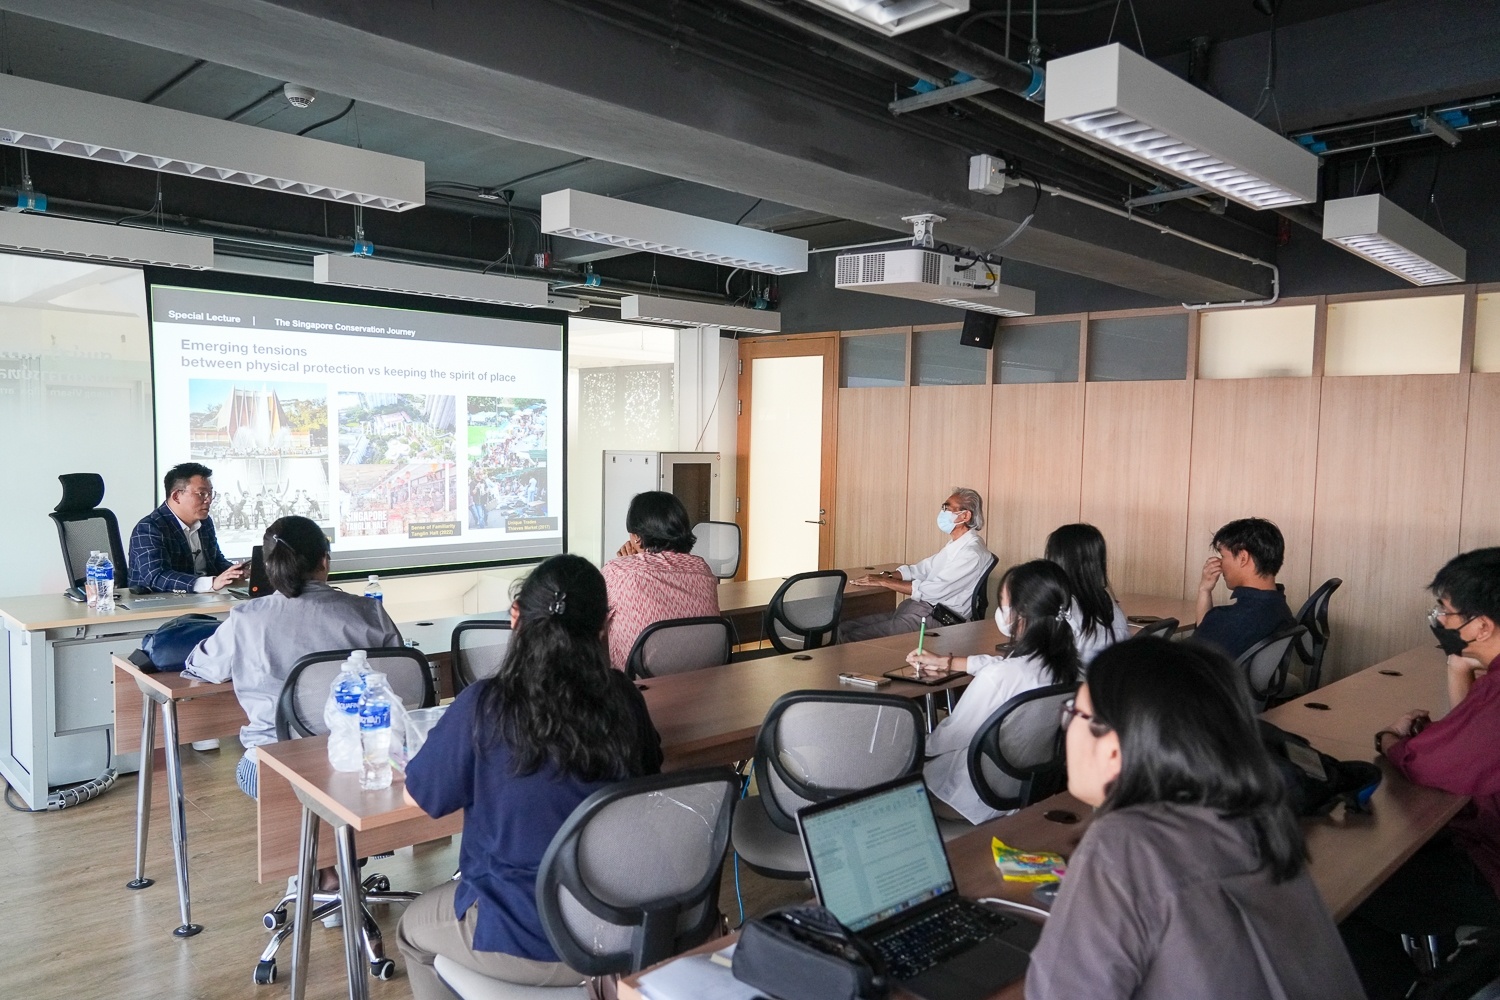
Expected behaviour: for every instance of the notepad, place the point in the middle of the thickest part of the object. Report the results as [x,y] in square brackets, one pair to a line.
[697,977]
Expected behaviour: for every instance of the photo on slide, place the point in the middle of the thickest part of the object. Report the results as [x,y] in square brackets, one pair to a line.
[254,419]
[250,493]
[507,439]
[397,469]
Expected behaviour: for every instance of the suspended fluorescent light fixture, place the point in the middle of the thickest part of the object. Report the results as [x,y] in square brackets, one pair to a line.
[892,17]
[53,119]
[1117,98]
[47,234]
[928,276]
[582,216]
[680,312]
[1386,235]
[439,282]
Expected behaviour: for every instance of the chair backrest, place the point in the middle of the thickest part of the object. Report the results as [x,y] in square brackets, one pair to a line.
[980,602]
[299,710]
[83,526]
[804,611]
[816,745]
[632,877]
[1314,615]
[718,544]
[677,645]
[1016,758]
[1265,664]
[477,651]
[1163,628]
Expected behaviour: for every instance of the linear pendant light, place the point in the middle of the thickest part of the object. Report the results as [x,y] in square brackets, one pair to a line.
[48,234]
[892,17]
[598,219]
[1377,229]
[439,282]
[680,312]
[53,119]
[1117,98]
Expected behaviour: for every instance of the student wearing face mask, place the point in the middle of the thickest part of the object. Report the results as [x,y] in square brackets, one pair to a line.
[1454,880]
[1036,609]
[948,577]
[1098,618]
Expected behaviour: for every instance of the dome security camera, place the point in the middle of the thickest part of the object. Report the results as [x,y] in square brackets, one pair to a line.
[299,96]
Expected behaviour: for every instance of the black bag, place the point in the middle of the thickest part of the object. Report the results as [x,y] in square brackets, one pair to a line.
[945,615]
[166,650]
[804,953]
[1472,968]
[1315,782]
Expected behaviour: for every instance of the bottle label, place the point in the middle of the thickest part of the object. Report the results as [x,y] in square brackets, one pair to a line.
[376,716]
[376,597]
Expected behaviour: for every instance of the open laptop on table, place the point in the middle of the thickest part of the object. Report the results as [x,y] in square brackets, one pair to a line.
[878,863]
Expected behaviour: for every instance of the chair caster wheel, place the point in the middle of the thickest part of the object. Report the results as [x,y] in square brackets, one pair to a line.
[274,918]
[265,972]
[377,883]
[383,968]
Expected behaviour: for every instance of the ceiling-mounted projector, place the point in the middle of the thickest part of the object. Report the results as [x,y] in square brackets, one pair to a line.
[928,276]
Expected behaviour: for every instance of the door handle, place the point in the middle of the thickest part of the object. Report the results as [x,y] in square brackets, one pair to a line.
[820,520]
[814,522]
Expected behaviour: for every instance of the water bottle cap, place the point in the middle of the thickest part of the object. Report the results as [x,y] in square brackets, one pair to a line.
[374,578]
[359,654]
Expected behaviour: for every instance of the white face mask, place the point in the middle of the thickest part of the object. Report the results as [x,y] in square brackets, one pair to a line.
[1005,620]
[947,521]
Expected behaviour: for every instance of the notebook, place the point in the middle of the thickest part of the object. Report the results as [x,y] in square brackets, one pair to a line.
[878,863]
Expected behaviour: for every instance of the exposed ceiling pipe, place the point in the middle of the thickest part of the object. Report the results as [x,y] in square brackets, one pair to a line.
[977,61]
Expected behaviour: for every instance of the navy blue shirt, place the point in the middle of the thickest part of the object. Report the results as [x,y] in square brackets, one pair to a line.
[1254,615]
[509,819]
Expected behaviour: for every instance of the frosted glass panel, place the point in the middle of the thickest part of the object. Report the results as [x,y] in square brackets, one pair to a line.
[786,460]
[1138,348]
[1256,343]
[939,359]
[75,396]
[1487,333]
[1037,352]
[874,359]
[1416,336]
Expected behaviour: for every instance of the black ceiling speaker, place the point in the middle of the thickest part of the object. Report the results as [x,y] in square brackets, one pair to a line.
[979,330]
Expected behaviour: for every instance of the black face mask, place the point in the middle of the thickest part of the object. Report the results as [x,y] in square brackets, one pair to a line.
[1449,640]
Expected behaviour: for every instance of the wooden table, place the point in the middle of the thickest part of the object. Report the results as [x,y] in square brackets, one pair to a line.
[1353,709]
[744,602]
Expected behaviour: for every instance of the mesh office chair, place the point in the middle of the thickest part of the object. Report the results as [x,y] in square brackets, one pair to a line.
[678,645]
[1162,628]
[478,650]
[718,544]
[1016,758]
[814,746]
[1311,647]
[299,713]
[804,611]
[83,526]
[980,602]
[1265,665]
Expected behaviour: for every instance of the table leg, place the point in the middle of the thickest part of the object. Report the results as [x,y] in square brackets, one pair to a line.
[143,793]
[349,893]
[307,864]
[177,816]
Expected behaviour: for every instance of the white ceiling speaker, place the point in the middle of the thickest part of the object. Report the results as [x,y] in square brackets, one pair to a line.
[52,119]
[439,282]
[597,219]
[47,234]
[928,276]
[892,17]
[1386,235]
[681,312]
[1122,100]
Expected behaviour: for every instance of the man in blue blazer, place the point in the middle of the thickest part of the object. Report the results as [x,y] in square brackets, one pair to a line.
[174,547]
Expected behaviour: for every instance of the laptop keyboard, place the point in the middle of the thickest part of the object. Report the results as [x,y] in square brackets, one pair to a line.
[916,947]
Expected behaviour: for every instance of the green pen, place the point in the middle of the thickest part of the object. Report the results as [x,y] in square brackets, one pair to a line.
[921,635]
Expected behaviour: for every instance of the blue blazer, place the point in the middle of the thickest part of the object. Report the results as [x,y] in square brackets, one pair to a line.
[160,559]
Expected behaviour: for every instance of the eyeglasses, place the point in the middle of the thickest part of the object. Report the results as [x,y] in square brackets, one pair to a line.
[1070,710]
[206,496]
[1438,613]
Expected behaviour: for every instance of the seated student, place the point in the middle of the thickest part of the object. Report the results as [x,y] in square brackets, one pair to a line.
[1079,550]
[1455,879]
[947,577]
[1035,603]
[517,753]
[1191,880]
[655,575]
[174,547]
[1249,553]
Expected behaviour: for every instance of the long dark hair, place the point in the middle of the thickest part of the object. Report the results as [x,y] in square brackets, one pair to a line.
[1187,735]
[660,521]
[293,548]
[1079,550]
[553,700]
[1040,597]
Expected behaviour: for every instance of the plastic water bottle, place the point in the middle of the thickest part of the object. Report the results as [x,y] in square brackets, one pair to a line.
[104,582]
[343,714]
[91,579]
[375,733]
[373,591]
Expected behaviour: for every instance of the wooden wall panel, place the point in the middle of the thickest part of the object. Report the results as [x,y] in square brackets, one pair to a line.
[1481,505]
[1136,446]
[949,446]
[870,489]
[1386,514]
[1255,454]
[1036,455]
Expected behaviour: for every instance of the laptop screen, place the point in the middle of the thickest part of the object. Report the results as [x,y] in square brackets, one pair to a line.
[876,854]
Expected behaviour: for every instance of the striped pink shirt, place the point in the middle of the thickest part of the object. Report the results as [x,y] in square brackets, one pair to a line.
[651,587]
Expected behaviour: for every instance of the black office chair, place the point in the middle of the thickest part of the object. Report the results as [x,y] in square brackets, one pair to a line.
[83,526]
[980,602]
[299,713]
[478,649]
[1162,628]
[678,645]
[804,611]
[1016,758]
[1312,646]
[1265,665]
[718,544]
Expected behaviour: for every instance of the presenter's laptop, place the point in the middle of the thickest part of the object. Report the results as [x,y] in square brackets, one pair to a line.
[878,863]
